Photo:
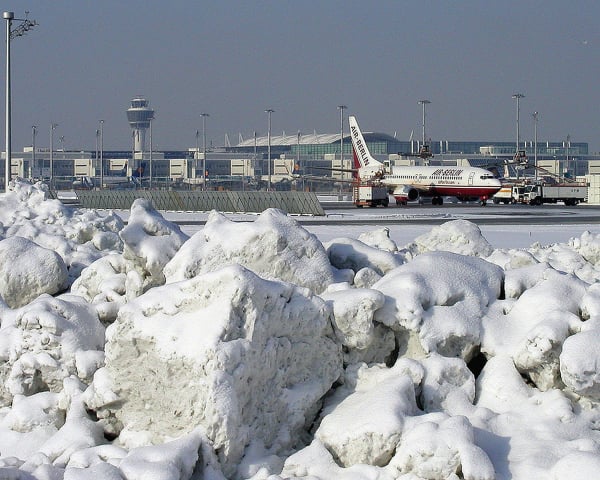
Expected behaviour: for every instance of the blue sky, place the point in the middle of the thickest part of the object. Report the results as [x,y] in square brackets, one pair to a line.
[233,59]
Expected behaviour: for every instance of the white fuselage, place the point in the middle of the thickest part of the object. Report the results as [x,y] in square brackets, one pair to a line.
[406,183]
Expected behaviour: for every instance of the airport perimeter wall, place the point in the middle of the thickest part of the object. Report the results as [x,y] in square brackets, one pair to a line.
[300,203]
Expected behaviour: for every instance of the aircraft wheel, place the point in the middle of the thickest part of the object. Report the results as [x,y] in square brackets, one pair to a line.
[483,203]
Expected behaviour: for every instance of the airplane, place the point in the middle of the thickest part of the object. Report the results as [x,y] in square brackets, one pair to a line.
[408,183]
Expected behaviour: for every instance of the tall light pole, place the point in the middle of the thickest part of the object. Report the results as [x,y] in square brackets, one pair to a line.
[204,115]
[269,111]
[341,109]
[151,148]
[33,134]
[52,128]
[568,146]
[19,31]
[518,96]
[423,103]
[101,154]
[535,150]
[196,154]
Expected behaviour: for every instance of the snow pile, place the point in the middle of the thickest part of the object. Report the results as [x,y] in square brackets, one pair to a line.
[79,236]
[43,271]
[252,351]
[275,246]
[46,341]
[249,358]
[440,298]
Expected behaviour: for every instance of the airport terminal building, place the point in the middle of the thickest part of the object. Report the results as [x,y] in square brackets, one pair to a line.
[296,162]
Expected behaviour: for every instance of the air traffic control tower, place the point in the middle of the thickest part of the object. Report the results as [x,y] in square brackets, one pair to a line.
[139,116]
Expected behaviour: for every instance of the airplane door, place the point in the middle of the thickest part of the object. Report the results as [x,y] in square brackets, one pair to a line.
[471,177]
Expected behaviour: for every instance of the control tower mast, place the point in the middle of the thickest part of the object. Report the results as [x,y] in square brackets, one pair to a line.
[139,116]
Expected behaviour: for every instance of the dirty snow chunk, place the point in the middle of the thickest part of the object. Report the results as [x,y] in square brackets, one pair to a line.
[250,359]
[275,246]
[172,460]
[511,258]
[588,246]
[150,241]
[434,447]
[579,362]
[354,254]
[40,344]
[353,311]
[366,277]
[457,236]
[28,270]
[366,426]
[79,236]
[532,328]
[380,239]
[442,296]
[315,462]
[443,376]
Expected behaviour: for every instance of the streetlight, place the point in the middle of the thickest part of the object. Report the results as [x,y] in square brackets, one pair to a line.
[101,153]
[151,148]
[535,150]
[204,115]
[423,103]
[269,111]
[19,31]
[196,154]
[52,128]
[341,109]
[518,96]
[33,134]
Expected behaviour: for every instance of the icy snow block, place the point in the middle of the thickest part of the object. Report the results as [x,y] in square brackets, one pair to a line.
[275,246]
[150,241]
[456,236]
[28,270]
[45,342]
[579,362]
[356,255]
[367,425]
[243,357]
[442,296]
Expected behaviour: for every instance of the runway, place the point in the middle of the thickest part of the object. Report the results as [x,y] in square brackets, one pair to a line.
[434,215]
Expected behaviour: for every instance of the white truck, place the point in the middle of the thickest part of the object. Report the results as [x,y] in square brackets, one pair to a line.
[370,195]
[568,193]
[510,193]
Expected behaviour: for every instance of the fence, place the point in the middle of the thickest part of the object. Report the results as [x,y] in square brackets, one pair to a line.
[300,203]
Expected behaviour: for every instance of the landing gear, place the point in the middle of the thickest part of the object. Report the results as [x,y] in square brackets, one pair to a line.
[483,201]
[437,201]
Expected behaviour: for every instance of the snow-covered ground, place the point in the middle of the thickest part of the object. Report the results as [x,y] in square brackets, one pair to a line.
[270,350]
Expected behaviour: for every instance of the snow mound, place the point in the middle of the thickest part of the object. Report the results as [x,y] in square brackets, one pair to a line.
[150,241]
[28,271]
[442,297]
[579,362]
[380,239]
[250,359]
[457,236]
[531,329]
[45,342]
[356,255]
[79,236]
[274,246]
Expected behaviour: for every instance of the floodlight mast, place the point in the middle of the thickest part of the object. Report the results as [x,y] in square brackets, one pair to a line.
[19,31]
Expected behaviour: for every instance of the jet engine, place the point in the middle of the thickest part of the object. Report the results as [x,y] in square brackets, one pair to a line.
[405,193]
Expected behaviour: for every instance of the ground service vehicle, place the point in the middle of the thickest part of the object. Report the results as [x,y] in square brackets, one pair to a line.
[510,193]
[370,195]
[569,193]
